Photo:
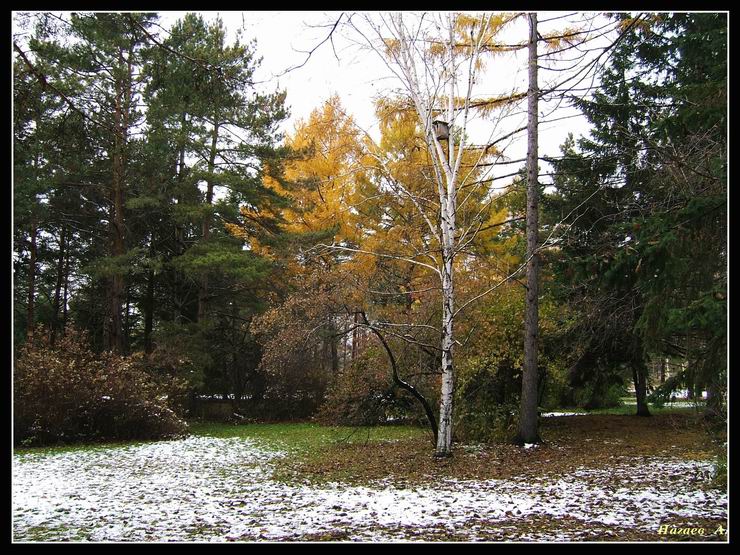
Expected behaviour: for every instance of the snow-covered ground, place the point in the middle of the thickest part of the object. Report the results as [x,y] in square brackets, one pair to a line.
[210,489]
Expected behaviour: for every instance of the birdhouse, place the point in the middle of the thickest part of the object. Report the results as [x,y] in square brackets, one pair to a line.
[441,130]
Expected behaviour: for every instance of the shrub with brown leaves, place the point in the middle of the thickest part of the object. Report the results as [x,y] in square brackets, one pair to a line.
[65,393]
[363,394]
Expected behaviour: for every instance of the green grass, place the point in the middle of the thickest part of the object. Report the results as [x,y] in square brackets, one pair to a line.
[308,442]
[631,409]
[293,436]
[304,436]
[73,447]
[719,479]
[53,533]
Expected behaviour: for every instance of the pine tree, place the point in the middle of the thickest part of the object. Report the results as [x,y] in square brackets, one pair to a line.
[648,188]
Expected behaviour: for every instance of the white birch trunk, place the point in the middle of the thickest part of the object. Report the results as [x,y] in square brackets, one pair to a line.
[447,202]
[444,439]
[425,77]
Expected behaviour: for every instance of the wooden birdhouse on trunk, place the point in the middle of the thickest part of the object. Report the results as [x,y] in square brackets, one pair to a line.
[441,130]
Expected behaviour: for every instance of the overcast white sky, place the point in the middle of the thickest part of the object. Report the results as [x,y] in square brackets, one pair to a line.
[357,76]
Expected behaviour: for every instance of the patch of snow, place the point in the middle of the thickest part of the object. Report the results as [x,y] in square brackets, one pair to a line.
[215,489]
[684,403]
[551,414]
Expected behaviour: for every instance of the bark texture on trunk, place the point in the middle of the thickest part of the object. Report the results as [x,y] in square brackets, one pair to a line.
[149,302]
[663,365]
[444,439]
[528,427]
[65,290]
[207,219]
[639,376]
[178,284]
[116,281]
[58,286]
[149,313]
[355,338]
[334,351]
[716,403]
[30,314]
[113,333]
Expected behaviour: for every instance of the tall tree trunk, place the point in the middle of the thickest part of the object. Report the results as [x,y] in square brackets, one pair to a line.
[149,303]
[177,285]
[662,369]
[58,285]
[65,292]
[30,316]
[448,208]
[355,338]
[116,281]
[716,410]
[115,340]
[207,219]
[639,376]
[345,340]
[149,313]
[528,427]
[691,382]
[127,321]
[444,438]
[236,385]
[334,355]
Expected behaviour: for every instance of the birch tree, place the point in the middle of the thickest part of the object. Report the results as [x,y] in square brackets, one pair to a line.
[437,59]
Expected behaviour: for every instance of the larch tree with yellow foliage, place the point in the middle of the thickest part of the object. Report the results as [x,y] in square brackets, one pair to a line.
[320,183]
[326,174]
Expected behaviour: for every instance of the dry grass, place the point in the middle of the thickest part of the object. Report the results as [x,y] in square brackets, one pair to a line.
[591,441]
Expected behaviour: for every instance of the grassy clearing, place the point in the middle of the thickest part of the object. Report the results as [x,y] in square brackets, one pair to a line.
[74,447]
[298,437]
[321,454]
[354,455]
[310,443]
[628,408]
[359,455]
[306,437]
